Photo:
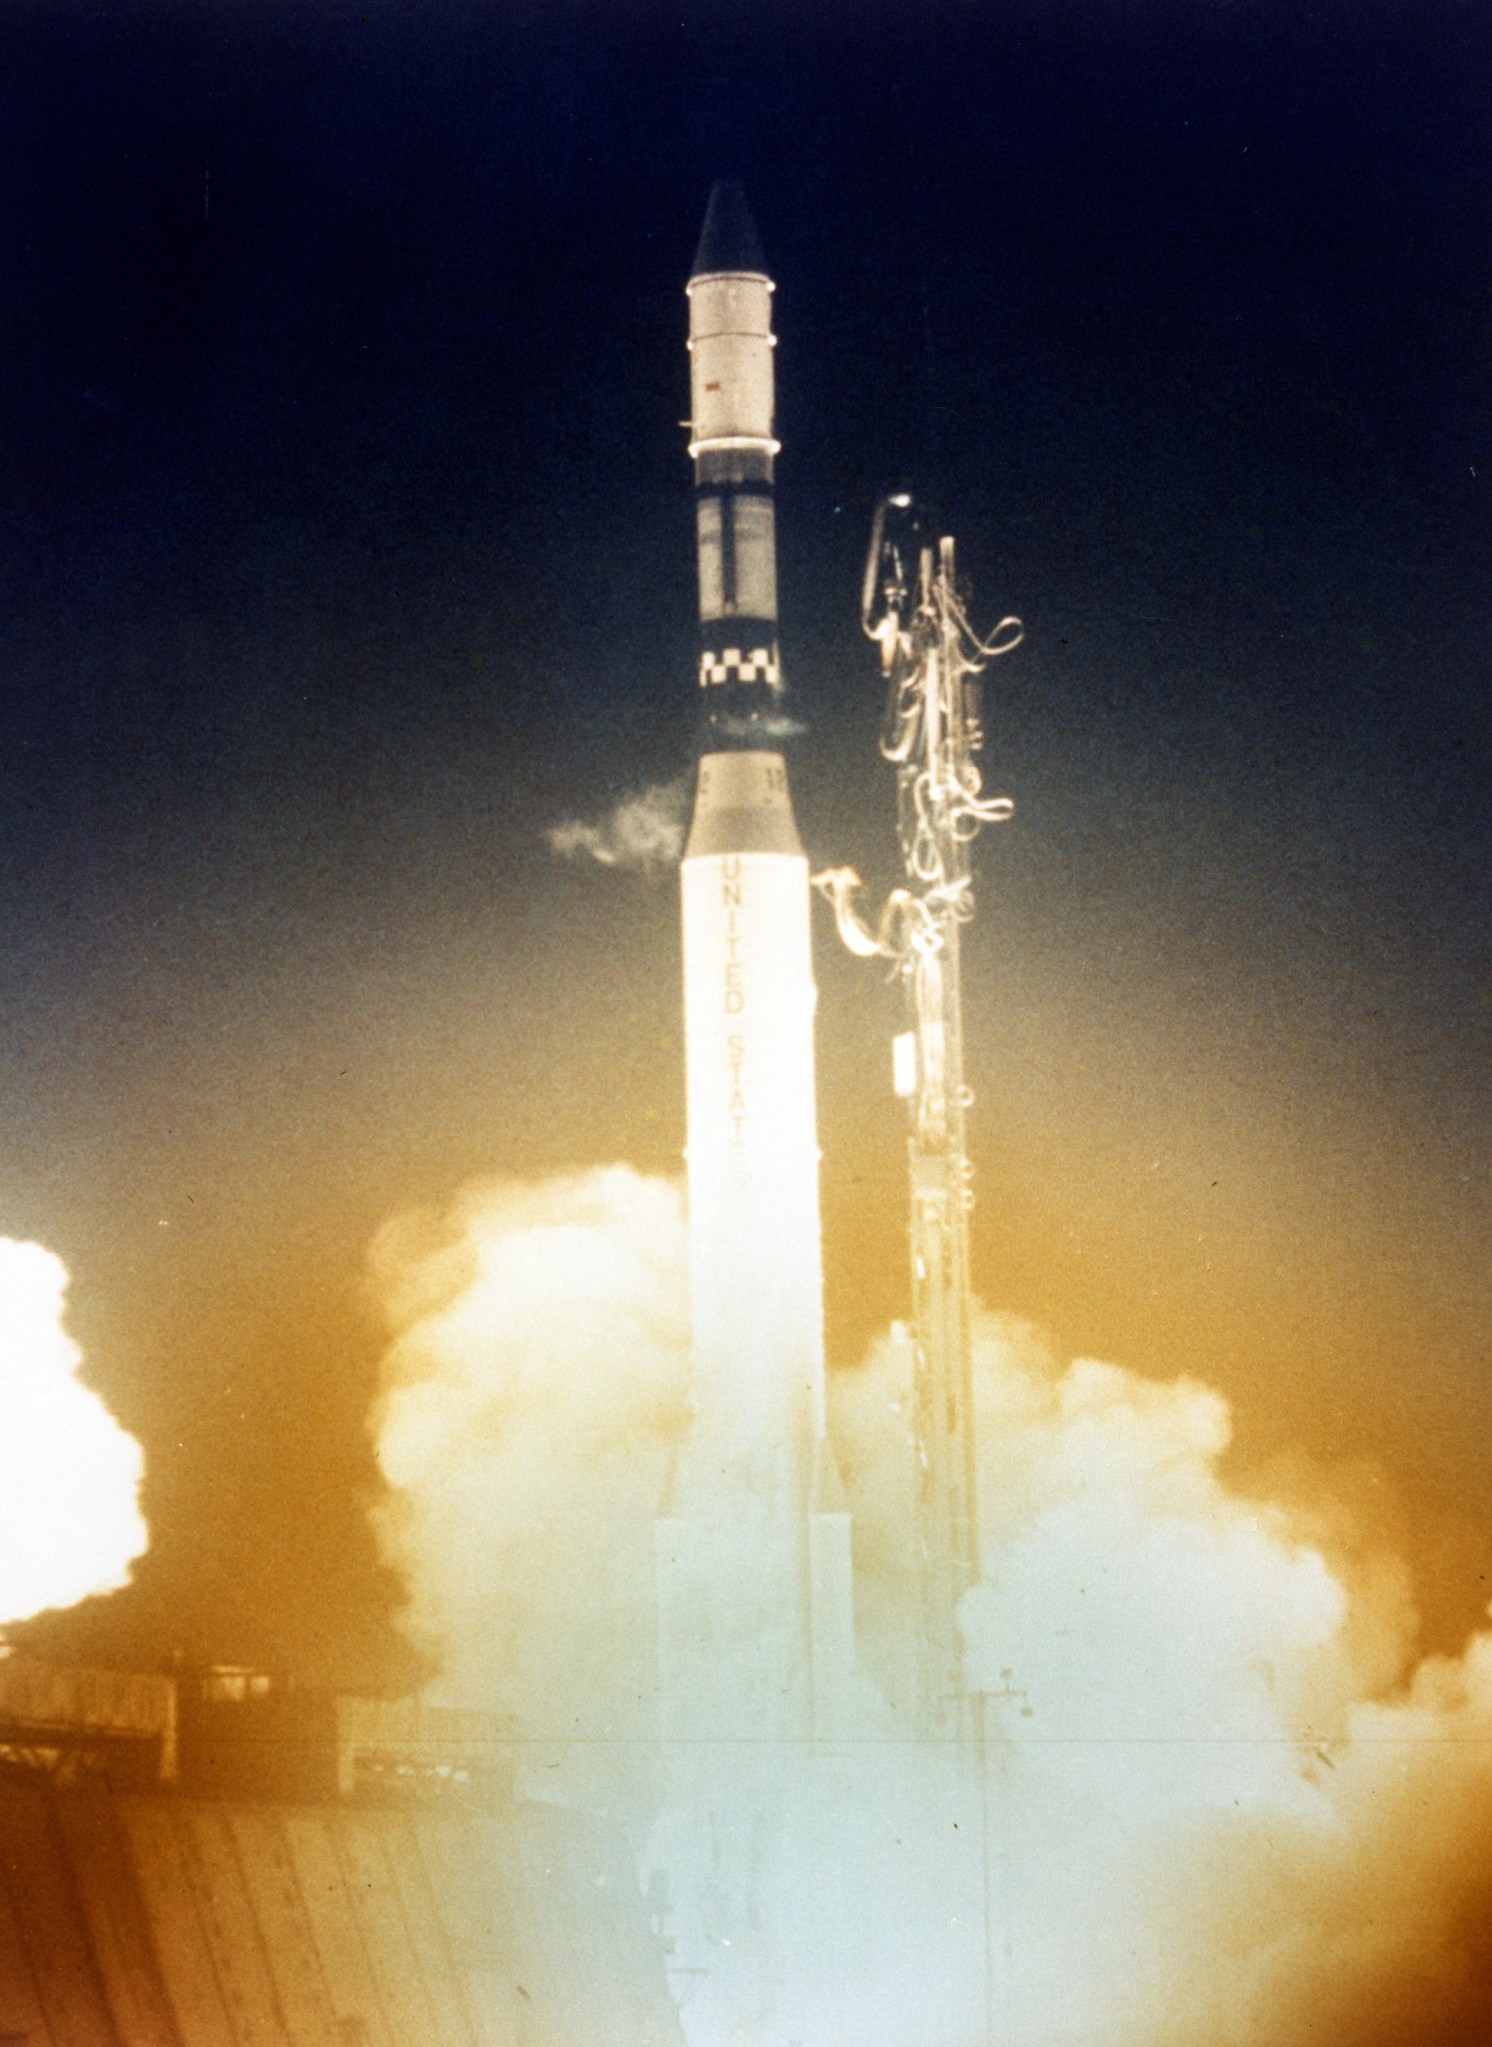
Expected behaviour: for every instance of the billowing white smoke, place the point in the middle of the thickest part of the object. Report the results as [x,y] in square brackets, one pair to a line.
[644,832]
[533,1397]
[70,1522]
[1234,1813]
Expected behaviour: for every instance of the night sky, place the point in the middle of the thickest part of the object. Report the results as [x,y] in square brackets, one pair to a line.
[347,545]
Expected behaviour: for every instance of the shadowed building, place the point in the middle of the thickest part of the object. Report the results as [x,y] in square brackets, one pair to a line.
[428,1908]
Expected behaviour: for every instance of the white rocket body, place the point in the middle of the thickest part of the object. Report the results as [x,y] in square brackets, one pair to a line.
[754,1570]
[755,1270]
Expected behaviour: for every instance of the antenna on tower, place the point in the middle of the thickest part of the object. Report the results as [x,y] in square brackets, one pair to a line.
[931,656]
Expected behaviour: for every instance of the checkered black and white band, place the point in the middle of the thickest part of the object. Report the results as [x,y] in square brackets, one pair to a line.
[734,664]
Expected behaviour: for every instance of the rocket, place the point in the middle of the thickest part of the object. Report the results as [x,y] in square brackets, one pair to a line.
[757,1290]
[755,1549]
[732,448]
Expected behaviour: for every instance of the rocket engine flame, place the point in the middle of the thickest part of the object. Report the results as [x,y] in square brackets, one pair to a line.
[1237,1812]
[70,1522]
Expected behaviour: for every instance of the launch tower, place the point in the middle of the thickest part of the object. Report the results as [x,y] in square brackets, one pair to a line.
[911,608]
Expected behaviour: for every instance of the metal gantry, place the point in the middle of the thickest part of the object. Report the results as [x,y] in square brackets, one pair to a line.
[930,656]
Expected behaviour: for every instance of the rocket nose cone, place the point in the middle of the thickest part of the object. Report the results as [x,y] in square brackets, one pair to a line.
[729,241]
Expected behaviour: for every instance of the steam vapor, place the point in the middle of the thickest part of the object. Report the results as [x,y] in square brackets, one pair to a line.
[70,1522]
[1237,1815]
[643,833]
[533,1397]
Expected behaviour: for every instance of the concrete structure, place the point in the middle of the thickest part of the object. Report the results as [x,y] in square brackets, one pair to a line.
[408,1916]
[156,1921]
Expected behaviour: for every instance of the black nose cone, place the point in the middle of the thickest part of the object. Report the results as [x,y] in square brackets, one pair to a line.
[729,239]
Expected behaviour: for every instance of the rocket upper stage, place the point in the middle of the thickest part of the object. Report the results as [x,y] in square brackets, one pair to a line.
[732,445]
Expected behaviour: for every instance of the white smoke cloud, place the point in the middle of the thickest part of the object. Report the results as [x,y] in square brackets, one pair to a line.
[534,1394]
[644,832]
[1236,1813]
[70,1521]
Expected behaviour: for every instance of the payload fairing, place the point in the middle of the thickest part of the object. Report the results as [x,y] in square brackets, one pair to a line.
[754,1556]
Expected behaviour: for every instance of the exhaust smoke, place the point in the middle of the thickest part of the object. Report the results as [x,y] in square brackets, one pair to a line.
[1221,1802]
[70,1522]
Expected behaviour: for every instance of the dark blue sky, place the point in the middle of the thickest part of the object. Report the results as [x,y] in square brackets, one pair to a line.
[346,544]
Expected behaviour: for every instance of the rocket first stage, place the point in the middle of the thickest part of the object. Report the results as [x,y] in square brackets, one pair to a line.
[754,1565]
